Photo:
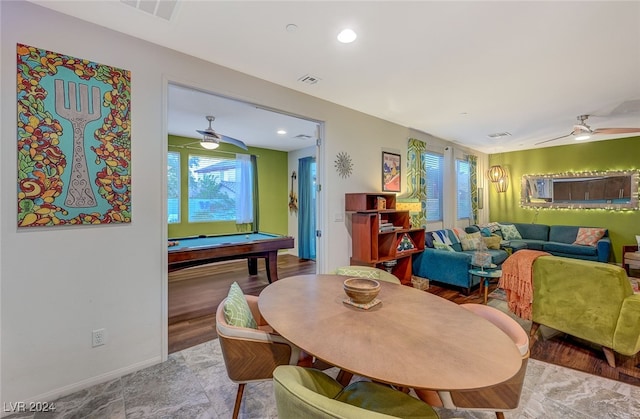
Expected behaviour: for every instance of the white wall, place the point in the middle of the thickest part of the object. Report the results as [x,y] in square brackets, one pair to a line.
[58,284]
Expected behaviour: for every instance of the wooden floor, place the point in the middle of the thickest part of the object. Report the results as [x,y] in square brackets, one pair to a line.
[194,295]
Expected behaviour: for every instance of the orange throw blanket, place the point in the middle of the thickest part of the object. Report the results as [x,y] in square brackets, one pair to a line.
[517,281]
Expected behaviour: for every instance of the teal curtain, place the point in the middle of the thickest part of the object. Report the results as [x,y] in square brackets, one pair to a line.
[256,207]
[473,186]
[307,208]
[416,179]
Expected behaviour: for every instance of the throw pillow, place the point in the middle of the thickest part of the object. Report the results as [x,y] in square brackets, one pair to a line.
[492,242]
[493,227]
[589,236]
[236,310]
[459,232]
[485,231]
[471,241]
[358,271]
[510,232]
[443,246]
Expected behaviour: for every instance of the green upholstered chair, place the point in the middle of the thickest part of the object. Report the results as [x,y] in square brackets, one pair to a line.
[501,397]
[367,272]
[309,393]
[593,301]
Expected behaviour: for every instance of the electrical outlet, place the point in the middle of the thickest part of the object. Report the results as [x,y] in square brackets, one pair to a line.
[99,337]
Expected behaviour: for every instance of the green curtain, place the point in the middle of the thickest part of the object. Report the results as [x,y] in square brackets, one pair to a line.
[473,186]
[416,179]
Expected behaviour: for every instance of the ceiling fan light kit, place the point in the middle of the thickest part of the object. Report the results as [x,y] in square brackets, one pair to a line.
[582,131]
[211,139]
[209,143]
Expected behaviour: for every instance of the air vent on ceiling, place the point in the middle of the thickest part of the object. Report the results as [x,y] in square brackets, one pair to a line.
[161,8]
[497,135]
[309,79]
[303,136]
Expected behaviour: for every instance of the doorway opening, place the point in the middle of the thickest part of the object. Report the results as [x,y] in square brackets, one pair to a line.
[194,293]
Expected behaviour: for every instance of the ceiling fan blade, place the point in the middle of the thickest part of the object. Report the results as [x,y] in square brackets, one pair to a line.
[616,130]
[208,132]
[557,138]
[233,141]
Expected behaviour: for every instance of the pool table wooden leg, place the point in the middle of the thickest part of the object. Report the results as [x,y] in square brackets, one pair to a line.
[272,266]
[252,264]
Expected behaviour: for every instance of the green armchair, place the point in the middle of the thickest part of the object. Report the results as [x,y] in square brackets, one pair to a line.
[311,394]
[590,300]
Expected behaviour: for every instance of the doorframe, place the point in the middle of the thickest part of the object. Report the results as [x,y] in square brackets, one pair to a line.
[320,202]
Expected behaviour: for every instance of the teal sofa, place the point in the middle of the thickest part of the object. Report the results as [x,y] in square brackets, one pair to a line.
[449,267]
[589,300]
[555,239]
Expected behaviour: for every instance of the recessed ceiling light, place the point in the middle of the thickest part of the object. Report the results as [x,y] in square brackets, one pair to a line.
[347,36]
[281,132]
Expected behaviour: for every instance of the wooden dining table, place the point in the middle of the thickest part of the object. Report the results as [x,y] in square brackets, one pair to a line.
[411,339]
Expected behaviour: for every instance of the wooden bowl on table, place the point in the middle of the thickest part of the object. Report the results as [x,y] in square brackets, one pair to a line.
[361,290]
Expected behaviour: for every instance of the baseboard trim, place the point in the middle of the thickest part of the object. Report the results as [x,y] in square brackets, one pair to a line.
[89,382]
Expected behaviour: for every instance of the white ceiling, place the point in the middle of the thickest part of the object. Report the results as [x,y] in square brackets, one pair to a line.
[457,70]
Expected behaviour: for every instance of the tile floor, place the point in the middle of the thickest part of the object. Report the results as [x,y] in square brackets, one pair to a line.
[193,384]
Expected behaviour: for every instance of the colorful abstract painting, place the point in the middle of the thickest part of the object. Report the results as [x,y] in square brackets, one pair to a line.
[74,140]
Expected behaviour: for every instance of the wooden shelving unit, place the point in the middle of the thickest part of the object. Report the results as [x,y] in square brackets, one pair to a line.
[372,246]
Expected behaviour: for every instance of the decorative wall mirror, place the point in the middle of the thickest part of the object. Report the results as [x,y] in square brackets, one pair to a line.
[614,190]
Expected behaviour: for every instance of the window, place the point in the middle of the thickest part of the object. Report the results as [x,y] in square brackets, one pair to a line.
[433,177]
[212,188]
[173,187]
[463,189]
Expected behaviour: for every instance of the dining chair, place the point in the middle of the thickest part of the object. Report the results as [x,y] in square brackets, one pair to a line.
[500,398]
[311,394]
[367,272]
[250,354]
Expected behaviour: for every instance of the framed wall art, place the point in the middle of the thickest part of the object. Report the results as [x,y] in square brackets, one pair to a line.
[74,140]
[391,173]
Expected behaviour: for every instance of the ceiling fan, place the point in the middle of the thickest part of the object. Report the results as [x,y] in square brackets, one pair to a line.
[211,139]
[582,131]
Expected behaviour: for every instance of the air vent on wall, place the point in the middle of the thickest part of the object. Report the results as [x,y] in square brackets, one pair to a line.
[161,8]
[309,79]
[497,135]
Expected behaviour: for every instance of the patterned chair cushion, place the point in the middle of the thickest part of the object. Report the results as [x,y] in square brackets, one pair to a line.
[236,310]
[356,271]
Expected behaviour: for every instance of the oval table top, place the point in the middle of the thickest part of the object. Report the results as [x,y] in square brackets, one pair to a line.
[411,339]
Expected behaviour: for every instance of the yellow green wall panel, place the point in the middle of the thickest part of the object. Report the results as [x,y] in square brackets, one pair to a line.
[620,154]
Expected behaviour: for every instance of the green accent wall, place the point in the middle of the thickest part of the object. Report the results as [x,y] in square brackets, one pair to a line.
[272,187]
[621,154]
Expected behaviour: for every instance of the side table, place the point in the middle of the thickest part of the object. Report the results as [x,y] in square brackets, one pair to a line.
[485,277]
[630,257]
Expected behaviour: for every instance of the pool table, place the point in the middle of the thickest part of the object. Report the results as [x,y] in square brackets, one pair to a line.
[200,250]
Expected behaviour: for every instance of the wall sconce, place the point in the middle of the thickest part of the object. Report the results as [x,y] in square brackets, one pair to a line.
[495,173]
